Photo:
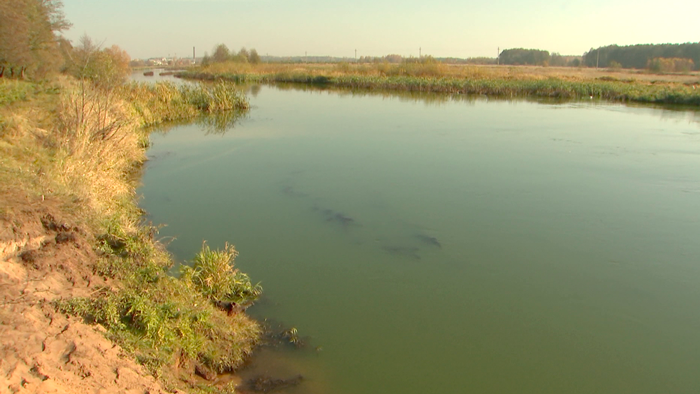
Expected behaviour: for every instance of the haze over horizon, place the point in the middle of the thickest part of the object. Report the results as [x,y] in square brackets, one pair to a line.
[442,28]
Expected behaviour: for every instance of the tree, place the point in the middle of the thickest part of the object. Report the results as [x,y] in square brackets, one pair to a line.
[524,56]
[221,54]
[244,55]
[28,36]
[557,60]
[254,57]
[394,58]
[106,68]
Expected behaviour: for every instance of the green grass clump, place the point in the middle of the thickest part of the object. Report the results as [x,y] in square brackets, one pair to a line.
[212,274]
[165,320]
[217,97]
[12,91]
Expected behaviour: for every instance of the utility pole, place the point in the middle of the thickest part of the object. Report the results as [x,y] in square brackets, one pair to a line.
[597,57]
[419,53]
[498,56]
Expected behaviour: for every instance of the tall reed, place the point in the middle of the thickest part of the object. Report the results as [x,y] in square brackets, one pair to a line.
[435,77]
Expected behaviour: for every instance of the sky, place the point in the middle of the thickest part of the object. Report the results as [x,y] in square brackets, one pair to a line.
[441,28]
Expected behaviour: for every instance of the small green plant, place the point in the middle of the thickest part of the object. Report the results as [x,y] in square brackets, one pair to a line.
[12,91]
[292,335]
[212,274]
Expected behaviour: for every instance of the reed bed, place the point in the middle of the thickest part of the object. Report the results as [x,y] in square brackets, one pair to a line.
[166,102]
[440,78]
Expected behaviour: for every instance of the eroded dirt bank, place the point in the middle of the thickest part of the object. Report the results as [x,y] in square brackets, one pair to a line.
[44,257]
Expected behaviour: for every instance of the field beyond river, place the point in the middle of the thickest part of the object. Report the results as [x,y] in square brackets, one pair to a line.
[501,81]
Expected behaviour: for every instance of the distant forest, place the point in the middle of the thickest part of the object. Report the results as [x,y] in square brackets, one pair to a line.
[537,57]
[640,56]
[657,57]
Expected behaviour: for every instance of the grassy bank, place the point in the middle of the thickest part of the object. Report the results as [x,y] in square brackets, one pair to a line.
[480,80]
[70,148]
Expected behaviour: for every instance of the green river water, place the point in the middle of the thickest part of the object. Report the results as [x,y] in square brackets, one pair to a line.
[434,245]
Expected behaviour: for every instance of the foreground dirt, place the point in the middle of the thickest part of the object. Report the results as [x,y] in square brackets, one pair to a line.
[44,257]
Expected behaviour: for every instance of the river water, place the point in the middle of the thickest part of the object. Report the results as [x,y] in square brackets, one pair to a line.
[428,244]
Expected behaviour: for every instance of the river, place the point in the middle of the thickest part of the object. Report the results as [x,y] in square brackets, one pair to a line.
[429,244]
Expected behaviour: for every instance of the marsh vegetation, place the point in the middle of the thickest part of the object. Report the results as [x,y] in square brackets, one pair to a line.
[428,75]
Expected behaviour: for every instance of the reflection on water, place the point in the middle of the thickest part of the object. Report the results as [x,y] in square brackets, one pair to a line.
[675,112]
[477,245]
[220,123]
[159,75]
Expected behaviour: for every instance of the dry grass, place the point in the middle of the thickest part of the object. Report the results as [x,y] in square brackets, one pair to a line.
[586,74]
[26,143]
[497,81]
[97,146]
[452,71]
[76,141]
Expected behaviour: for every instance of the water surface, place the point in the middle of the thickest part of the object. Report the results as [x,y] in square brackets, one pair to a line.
[453,246]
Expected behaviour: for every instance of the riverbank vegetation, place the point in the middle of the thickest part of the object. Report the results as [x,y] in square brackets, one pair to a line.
[428,75]
[73,134]
[75,144]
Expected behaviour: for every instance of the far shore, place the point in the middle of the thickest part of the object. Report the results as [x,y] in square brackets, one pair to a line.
[622,85]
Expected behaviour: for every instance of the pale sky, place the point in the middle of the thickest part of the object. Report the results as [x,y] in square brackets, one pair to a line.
[441,28]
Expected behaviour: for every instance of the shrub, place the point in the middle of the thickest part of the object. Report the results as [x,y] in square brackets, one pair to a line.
[106,68]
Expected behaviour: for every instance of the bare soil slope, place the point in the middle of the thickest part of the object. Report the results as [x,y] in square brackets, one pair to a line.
[44,257]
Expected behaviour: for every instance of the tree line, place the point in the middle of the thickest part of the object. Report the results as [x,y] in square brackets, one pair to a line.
[536,57]
[655,57]
[29,41]
[222,54]
[31,46]
[397,59]
[642,56]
